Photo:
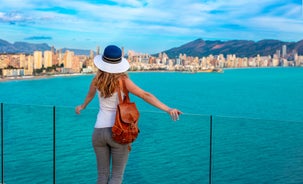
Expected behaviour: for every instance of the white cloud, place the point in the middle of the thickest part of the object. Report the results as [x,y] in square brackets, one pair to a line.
[279,24]
[12,17]
[143,20]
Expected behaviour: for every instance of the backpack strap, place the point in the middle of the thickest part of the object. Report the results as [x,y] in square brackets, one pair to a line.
[124,90]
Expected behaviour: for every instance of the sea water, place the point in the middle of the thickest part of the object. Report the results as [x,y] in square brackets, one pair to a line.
[256,118]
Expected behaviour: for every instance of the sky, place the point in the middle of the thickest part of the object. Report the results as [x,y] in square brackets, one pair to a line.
[147,26]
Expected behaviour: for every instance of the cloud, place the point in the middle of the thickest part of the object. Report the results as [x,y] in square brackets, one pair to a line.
[39,38]
[137,21]
[12,16]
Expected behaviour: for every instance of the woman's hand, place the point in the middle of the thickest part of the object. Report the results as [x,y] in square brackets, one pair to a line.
[174,114]
[78,109]
[90,95]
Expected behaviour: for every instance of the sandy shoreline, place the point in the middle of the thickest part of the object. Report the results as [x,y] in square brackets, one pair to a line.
[7,79]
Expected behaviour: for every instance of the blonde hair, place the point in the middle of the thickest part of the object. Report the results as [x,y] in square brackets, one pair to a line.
[107,83]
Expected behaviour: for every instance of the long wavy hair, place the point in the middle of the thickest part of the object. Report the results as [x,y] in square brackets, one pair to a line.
[107,83]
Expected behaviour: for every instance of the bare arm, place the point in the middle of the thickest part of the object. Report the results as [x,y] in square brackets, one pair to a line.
[90,95]
[151,99]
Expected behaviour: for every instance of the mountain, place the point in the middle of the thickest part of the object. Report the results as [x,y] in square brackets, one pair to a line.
[199,48]
[241,48]
[29,48]
[21,47]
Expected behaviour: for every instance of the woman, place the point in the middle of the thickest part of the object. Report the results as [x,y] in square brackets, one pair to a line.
[111,67]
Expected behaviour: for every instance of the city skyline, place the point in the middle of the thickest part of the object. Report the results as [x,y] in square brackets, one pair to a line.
[148,26]
[51,62]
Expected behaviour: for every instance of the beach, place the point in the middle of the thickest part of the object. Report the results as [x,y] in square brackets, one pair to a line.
[16,78]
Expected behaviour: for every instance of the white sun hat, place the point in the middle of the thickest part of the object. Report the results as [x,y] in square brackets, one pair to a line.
[111,61]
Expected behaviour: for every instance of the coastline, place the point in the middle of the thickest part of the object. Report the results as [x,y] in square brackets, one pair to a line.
[47,76]
[19,78]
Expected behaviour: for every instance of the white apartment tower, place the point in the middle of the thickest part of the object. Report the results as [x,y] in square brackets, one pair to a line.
[68,58]
[37,59]
[48,59]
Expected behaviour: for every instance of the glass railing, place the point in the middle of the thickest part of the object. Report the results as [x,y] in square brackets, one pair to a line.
[44,144]
[257,151]
[27,144]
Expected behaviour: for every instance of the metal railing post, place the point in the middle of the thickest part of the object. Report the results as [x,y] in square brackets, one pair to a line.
[54,145]
[2,143]
[210,148]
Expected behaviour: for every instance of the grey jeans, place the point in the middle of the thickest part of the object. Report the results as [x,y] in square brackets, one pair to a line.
[108,151]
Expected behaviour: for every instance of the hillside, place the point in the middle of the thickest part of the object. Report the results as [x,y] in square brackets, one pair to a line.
[199,48]
[242,48]
[29,48]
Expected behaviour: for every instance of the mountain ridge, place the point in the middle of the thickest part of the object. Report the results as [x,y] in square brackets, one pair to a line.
[195,48]
[29,48]
[241,48]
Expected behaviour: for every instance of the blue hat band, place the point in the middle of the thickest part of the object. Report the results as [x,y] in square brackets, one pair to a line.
[112,60]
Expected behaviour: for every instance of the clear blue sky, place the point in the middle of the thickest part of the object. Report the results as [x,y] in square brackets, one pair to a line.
[147,26]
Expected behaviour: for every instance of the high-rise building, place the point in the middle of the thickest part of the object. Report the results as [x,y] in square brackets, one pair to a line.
[53,49]
[22,61]
[60,57]
[284,51]
[98,50]
[30,65]
[37,59]
[91,54]
[48,59]
[68,58]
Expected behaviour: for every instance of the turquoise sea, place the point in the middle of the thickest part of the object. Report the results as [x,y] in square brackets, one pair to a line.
[257,124]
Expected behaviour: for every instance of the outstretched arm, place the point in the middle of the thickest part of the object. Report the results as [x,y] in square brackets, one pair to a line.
[90,95]
[151,99]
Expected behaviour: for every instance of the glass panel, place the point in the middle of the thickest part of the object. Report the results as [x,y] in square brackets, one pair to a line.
[28,144]
[165,152]
[170,152]
[257,151]
[75,159]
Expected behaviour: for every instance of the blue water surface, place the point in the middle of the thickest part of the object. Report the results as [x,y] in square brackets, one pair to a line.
[271,93]
[257,117]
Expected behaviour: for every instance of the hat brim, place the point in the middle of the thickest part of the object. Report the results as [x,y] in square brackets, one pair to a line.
[120,67]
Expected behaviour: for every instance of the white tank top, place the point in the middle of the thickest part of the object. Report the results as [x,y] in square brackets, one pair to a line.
[107,110]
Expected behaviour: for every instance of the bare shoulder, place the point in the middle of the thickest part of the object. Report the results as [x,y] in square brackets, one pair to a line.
[128,82]
[132,87]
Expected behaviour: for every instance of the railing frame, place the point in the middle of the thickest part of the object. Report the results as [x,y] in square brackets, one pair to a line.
[2,143]
[210,148]
[54,145]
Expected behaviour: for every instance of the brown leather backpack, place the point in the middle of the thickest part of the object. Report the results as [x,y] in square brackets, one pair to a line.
[125,129]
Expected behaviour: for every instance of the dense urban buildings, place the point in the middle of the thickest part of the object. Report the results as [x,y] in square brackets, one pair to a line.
[56,62]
